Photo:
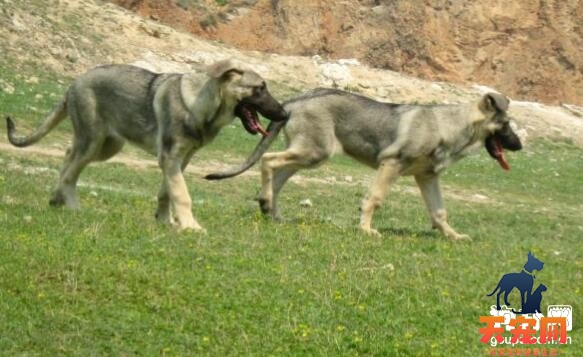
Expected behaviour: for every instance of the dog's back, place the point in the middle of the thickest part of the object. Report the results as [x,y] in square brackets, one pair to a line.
[121,100]
[369,130]
[354,124]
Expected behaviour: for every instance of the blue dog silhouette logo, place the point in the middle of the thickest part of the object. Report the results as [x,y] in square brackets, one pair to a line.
[524,282]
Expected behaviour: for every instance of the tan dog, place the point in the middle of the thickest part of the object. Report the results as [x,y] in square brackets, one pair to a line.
[168,115]
[396,139]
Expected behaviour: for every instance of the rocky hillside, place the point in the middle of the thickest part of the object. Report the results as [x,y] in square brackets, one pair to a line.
[530,49]
[71,36]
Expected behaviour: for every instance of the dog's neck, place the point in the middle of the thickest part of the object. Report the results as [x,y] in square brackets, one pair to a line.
[528,272]
[204,103]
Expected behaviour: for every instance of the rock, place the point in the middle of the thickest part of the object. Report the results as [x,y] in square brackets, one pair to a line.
[334,74]
[348,62]
[380,10]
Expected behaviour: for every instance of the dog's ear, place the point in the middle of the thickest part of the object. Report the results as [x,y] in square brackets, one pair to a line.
[494,102]
[223,69]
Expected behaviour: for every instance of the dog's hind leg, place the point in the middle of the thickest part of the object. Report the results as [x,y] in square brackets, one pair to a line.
[111,146]
[280,177]
[90,134]
[387,173]
[429,186]
[506,298]
[80,155]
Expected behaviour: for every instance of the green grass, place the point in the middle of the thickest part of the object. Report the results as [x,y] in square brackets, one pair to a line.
[108,280]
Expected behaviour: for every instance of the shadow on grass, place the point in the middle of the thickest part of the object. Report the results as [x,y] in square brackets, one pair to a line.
[409,233]
[386,232]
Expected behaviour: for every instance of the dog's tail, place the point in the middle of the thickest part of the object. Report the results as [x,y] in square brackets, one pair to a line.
[273,129]
[492,293]
[58,114]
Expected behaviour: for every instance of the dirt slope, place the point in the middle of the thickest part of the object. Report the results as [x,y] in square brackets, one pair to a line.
[71,36]
[530,49]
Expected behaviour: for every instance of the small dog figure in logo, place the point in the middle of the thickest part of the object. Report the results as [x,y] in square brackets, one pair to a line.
[532,305]
[523,281]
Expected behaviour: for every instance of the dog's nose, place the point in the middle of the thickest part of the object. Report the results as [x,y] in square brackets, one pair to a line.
[276,114]
[283,115]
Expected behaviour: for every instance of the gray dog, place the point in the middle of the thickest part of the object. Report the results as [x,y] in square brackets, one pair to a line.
[168,115]
[396,139]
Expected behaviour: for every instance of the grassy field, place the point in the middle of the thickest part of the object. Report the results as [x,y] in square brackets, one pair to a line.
[108,280]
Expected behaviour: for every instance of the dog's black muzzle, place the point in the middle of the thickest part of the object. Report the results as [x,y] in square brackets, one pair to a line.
[504,138]
[263,103]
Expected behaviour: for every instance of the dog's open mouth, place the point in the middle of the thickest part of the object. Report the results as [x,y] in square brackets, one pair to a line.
[496,150]
[250,119]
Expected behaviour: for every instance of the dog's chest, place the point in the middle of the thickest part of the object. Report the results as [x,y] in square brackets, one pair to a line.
[204,130]
[222,118]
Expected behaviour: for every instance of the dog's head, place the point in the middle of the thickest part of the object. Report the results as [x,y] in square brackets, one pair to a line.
[500,135]
[250,93]
[533,263]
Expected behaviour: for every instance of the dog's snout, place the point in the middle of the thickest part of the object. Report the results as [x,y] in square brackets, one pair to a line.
[511,142]
[272,110]
[509,139]
[275,114]
[282,114]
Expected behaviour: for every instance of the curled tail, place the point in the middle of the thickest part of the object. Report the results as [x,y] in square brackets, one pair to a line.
[273,129]
[58,114]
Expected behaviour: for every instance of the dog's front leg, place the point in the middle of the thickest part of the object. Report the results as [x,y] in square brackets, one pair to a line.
[276,169]
[387,173]
[266,196]
[177,191]
[525,296]
[163,212]
[523,300]
[429,186]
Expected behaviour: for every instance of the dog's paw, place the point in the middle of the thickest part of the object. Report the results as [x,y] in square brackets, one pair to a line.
[59,199]
[201,230]
[371,232]
[165,217]
[264,205]
[460,237]
[194,228]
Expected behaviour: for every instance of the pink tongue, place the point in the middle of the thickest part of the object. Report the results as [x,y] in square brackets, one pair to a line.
[501,156]
[260,129]
[254,123]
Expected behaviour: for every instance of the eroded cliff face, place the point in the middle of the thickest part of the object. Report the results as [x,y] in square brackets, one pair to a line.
[529,49]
